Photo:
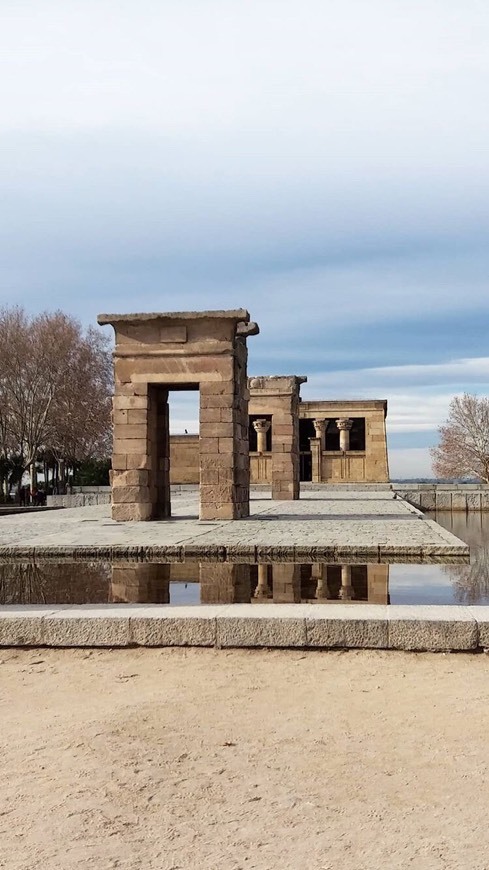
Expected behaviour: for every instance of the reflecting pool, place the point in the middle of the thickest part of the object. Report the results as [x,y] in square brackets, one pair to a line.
[193,582]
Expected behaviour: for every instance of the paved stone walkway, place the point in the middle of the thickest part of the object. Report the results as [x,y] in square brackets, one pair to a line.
[320,525]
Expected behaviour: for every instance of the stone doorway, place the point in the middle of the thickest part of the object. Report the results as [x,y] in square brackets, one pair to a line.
[156,353]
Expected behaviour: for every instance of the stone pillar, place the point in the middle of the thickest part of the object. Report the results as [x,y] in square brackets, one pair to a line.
[286,582]
[134,452]
[262,588]
[316,460]
[279,396]
[261,428]
[346,591]
[320,572]
[158,448]
[224,583]
[140,583]
[344,425]
[320,429]
[378,584]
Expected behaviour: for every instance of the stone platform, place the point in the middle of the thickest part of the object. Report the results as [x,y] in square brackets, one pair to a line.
[322,526]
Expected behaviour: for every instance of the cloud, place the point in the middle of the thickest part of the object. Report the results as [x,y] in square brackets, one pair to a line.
[323,165]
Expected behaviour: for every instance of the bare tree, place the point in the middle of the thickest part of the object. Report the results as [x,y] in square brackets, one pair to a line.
[463,450]
[55,387]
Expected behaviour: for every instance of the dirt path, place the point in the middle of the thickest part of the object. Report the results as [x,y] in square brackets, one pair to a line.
[159,759]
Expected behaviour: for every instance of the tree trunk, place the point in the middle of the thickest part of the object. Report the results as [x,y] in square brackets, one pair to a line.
[33,477]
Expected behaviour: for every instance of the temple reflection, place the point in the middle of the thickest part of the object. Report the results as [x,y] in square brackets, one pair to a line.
[125,582]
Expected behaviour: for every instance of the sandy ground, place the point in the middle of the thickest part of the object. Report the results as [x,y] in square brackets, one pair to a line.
[160,759]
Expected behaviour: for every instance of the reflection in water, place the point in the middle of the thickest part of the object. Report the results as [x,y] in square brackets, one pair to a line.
[54,583]
[470,582]
[226,583]
[124,582]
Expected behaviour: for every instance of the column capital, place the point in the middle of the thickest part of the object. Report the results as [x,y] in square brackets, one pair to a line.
[344,424]
[320,427]
[261,425]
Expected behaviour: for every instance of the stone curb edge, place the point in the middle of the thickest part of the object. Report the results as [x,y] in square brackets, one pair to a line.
[253,554]
[304,626]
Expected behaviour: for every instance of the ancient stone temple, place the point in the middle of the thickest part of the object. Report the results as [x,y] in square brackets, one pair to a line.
[291,440]
[155,354]
[274,407]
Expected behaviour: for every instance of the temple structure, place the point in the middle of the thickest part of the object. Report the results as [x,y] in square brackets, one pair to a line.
[327,441]
[251,430]
[231,583]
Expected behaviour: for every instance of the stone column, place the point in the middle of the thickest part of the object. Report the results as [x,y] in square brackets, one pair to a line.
[140,583]
[320,428]
[262,589]
[346,591]
[320,572]
[261,428]
[378,584]
[286,582]
[224,583]
[316,459]
[344,425]
[279,396]
[134,495]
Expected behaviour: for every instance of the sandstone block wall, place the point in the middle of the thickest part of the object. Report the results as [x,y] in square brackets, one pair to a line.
[156,353]
[278,396]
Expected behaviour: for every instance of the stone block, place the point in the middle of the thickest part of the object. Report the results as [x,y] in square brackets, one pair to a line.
[123,430]
[223,388]
[84,626]
[137,417]
[124,513]
[210,476]
[208,445]
[263,625]
[347,626]
[178,626]
[138,461]
[211,511]
[130,445]
[484,500]
[130,494]
[130,402]
[22,625]
[459,501]
[473,501]
[119,462]
[424,500]
[226,445]
[481,616]
[121,417]
[134,477]
[216,494]
[431,627]
[443,501]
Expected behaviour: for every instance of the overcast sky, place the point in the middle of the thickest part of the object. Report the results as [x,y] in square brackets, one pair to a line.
[322,163]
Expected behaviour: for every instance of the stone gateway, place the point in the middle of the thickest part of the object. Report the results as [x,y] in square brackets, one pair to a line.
[189,350]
